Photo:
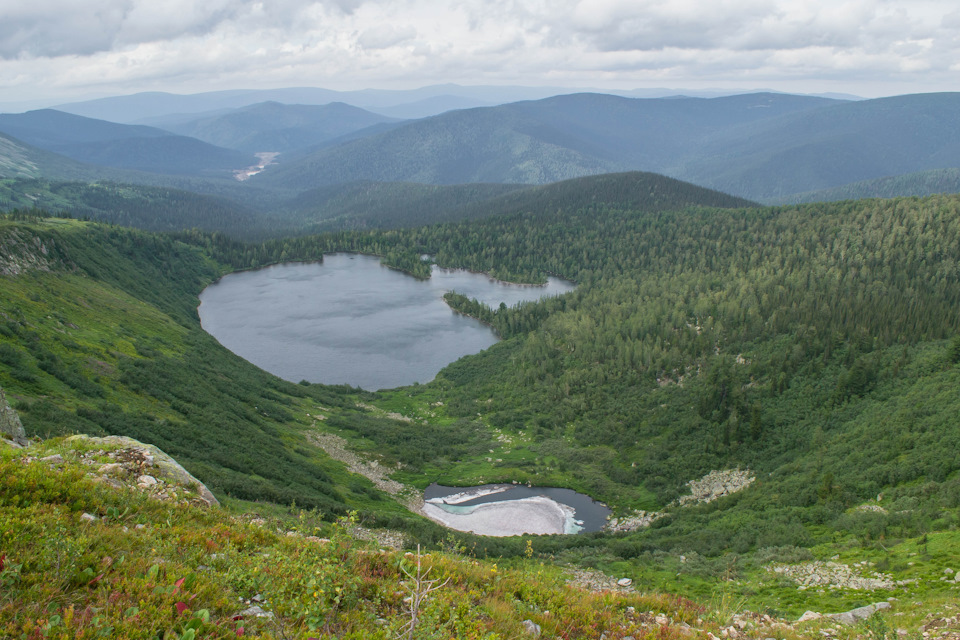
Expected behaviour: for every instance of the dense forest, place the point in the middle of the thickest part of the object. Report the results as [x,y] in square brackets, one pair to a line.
[815,345]
[788,340]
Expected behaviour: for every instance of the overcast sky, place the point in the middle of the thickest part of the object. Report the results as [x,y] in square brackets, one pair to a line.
[68,49]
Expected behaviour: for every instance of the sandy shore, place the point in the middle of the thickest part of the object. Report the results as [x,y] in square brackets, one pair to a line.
[536,515]
[464,496]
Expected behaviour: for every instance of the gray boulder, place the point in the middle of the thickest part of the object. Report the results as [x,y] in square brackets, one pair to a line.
[10,426]
[854,616]
[532,628]
[166,467]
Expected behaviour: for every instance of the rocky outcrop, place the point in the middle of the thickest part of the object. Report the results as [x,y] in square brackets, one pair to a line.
[11,429]
[833,575]
[595,580]
[21,251]
[631,522]
[710,487]
[848,618]
[145,463]
[717,484]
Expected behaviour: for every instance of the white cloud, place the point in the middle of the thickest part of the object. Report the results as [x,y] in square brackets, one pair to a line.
[51,46]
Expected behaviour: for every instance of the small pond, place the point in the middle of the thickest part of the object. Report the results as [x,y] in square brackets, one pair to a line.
[510,510]
[351,320]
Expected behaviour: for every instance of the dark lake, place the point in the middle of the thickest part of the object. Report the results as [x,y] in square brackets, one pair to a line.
[350,320]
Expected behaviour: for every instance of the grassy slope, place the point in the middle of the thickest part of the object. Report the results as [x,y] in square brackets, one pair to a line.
[105,339]
[149,569]
[161,379]
[131,205]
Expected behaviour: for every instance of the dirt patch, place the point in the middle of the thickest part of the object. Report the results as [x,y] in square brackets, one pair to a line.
[336,448]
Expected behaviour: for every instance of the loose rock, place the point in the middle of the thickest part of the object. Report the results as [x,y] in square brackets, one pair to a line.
[256,612]
[532,628]
[146,481]
[861,613]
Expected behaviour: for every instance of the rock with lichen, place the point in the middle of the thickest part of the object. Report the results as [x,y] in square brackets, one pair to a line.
[148,455]
[11,429]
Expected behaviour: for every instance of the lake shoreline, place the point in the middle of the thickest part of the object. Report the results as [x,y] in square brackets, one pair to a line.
[347,319]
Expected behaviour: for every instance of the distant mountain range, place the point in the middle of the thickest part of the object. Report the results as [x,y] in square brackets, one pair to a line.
[272,126]
[830,147]
[121,146]
[538,142]
[758,146]
[142,108]
[764,147]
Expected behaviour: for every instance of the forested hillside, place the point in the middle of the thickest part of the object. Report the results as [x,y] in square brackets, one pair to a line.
[833,146]
[922,183]
[271,126]
[120,146]
[131,205]
[394,205]
[20,160]
[536,142]
[764,147]
[815,347]
[787,340]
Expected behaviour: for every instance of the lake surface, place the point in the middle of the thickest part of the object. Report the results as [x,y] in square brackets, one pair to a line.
[506,509]
[350,320]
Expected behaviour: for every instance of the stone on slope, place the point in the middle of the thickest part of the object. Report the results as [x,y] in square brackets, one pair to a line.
[10,426]
[165,466]
[861,613]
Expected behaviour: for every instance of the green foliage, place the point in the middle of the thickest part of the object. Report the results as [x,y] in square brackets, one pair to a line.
[107,341]
[922,183]
[169,571]
[705,339]
[128,205]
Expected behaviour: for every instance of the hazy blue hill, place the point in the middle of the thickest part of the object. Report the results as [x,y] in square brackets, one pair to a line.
[537,142]
[361,205]
[830,147]
[921,183]
[20,160]
[49,128]
[109,144]
[140,106]
[630,190]
[368,205]
[432,106]
[272,126]
[169,154]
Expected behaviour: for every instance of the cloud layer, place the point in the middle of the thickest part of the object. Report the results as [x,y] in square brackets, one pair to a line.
[112,46]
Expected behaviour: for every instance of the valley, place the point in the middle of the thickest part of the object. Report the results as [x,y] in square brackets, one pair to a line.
[764,396]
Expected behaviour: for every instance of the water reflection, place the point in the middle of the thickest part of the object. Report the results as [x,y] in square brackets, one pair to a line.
[350,320]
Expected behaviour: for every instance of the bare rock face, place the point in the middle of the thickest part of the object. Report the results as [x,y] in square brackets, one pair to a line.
[717,484]
[853,616]
[10,426]
[21,251]
[160,464]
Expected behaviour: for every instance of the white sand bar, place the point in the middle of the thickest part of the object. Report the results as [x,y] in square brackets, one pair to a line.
[463,496]
[536,515]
